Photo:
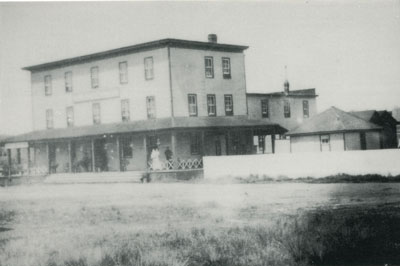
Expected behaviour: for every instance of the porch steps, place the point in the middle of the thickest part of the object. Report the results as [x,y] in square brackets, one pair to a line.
[102,177]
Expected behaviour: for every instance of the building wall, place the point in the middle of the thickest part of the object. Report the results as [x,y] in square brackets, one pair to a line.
[305,144]
[276,113]
[352,141]
[336,142]
[109,93]
[373,140]
[188,77]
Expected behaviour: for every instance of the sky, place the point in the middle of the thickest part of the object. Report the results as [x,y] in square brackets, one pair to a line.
[349,51]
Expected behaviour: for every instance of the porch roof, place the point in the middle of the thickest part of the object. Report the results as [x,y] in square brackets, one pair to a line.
[146,126]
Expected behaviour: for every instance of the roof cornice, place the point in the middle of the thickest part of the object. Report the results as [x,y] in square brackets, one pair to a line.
[138,48]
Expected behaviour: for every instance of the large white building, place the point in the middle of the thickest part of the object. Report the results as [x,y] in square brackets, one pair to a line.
[108,111]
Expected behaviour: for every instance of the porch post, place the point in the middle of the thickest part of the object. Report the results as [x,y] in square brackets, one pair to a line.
[70,156]
[202,143]
[93,160]
[145,150]
[48,157]
[29,160]
[9,162]
[119,154]
[173,148]
[227,142]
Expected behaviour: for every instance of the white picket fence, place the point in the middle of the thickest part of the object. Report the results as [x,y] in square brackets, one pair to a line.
[175,165]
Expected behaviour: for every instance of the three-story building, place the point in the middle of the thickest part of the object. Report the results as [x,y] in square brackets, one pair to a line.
[170,100]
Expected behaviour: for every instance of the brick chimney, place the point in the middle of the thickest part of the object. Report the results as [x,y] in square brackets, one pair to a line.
[212,38]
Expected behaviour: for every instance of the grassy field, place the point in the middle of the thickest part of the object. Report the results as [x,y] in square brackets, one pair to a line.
[186,224]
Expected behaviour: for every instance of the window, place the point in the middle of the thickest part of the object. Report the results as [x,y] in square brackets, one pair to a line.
[148,68]
[68,81]
[228,105]
[286,109]
[264,108]
[325,143]
[123,72]
[209,66]
[127,147]
[96,113]
[70,116]
[226,67]
[305,109]
[211,105]
[195,143]
[94,74]
[47,85]
[151,107]
[49,118]
[125,113]
[192,103]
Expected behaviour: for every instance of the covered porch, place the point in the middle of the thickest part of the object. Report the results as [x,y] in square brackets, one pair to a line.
[173,144]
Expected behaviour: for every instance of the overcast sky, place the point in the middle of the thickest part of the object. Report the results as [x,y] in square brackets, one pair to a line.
[348,50]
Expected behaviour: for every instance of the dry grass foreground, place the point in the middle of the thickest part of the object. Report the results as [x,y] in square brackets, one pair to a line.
[200,224]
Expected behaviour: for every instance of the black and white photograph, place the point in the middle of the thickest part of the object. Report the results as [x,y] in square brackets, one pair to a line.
[200,133]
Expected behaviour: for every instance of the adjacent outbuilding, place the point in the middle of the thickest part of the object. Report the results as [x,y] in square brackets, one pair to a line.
[335,130]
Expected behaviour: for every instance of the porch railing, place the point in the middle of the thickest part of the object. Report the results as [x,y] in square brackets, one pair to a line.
[189,164]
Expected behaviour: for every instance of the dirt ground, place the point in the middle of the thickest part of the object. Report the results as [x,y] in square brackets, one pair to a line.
[39,220]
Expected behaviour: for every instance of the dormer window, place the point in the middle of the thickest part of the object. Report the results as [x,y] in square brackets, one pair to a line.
[305,109]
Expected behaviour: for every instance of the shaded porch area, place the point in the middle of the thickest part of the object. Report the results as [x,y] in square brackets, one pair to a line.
[176,144]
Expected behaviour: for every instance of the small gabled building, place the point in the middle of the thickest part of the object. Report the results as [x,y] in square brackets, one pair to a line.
[386,121]
[335,130]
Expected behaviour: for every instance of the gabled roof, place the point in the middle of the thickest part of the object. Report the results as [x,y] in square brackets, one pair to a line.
[367,115]
[293,93]
[333,120]
[137,48]
[145,126]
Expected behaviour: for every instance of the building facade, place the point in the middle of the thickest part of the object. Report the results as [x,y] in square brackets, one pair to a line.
[160,105]
[289,108]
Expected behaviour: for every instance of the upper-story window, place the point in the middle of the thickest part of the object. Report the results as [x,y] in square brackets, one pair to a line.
[228,104]
[123,72]
[192,103]
[226,67]
[148,68]
[286,109]
[68,81]
[96,113]
[70,116]
[151,107]
[264,108]
[209,66]
[211,105]
[49,118]
[47,85]
[94,74]
[306,112]
[125,112]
